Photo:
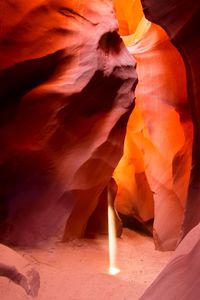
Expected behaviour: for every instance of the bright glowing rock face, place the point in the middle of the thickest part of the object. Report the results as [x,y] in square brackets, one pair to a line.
[153,174]
[180,278]
[129,14]
[66,85]
[181,20]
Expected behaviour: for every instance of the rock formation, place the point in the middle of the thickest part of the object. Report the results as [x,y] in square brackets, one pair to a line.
[98,222]
[180,19]
[153,174]
[66,93]
[180,278]
[129,15]
[66,87]
[19,271]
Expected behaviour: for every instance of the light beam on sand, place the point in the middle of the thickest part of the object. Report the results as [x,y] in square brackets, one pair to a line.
[112,239]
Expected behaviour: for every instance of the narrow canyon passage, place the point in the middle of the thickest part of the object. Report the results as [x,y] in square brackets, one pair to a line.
[99,130]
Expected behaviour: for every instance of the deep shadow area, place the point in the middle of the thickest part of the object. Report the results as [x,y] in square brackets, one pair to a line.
[18,80]
[145,228]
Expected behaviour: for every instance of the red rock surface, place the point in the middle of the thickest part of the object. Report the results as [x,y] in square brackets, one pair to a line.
[66,85]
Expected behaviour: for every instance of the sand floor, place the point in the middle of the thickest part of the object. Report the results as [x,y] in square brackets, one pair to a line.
[79,270]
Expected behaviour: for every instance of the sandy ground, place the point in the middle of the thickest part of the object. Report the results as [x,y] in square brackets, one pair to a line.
[79,270]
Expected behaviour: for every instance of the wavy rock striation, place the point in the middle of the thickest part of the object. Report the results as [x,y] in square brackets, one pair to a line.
[153,174]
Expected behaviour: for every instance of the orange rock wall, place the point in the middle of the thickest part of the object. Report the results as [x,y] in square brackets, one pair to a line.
[181,20]
[129,14]
[153,174]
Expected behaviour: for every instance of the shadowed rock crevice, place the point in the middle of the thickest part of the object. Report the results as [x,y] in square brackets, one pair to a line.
[20,79]
[97,97]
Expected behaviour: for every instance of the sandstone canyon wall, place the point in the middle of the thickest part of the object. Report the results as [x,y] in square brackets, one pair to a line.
[66,93]
[180,19]
[153,174]
[180,278]
[66,88]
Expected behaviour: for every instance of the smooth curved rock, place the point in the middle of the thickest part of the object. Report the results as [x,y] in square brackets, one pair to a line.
[17,269]
[129,14]
[180,279]
[181,20]
[66,87]
[153,174]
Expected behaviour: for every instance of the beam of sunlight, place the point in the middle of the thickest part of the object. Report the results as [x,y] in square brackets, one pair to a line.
[112,239]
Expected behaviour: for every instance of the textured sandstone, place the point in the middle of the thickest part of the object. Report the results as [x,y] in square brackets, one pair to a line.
[153,174]
[181,20]
[66,85]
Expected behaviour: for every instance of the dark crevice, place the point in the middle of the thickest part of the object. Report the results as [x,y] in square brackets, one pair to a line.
[132,223]
[71,13]
[97,97]
[18,80]
[110,41]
